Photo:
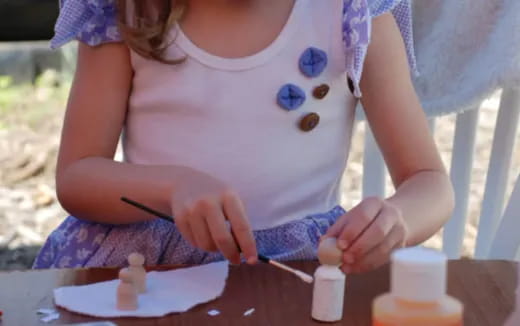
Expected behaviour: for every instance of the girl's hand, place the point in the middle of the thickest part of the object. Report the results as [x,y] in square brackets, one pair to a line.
[368,234]
[202,206]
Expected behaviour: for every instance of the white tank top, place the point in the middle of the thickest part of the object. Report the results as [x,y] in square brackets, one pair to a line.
[221,116]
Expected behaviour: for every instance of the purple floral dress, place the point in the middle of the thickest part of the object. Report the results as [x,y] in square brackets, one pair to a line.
[78,243]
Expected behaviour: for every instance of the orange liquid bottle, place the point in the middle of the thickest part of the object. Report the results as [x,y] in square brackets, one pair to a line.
[418,292]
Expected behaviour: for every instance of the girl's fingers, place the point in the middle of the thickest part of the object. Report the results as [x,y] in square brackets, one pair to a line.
[335,229]
[235,213]
[200,227]
[380,254]
[374,234]
[360,218]
[182,224]
[222,237]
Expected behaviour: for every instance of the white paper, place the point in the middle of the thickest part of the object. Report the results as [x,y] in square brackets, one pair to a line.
[213,312]
[167,292]
[249,312]
[50,317]
[45,311]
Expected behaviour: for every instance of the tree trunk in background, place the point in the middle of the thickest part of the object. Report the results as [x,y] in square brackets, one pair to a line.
[27,20]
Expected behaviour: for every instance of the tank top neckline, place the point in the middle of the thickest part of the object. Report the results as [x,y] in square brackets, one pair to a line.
[241,63]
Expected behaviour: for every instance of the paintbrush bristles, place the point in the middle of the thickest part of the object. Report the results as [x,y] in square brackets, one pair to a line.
[303,276]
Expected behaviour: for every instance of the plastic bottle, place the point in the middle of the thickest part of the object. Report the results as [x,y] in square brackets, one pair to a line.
[418,292]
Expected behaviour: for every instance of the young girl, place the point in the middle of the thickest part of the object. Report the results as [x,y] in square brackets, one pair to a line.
[236,117]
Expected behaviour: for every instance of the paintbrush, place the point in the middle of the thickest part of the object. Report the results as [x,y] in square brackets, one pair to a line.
[303,276]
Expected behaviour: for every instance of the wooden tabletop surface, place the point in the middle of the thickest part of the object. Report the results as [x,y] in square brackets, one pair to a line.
[487,288]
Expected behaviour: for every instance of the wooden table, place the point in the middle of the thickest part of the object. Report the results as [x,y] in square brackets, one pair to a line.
[487,289]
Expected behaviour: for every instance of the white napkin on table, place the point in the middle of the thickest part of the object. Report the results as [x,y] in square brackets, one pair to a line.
[167,292]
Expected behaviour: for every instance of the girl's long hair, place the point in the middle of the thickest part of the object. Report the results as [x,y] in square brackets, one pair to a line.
[145,25]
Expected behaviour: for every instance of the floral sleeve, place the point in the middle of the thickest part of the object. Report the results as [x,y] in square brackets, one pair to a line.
[357,18]
[93,22]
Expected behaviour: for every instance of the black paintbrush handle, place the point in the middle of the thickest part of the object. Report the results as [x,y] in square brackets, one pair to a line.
[148,209]
[169,218]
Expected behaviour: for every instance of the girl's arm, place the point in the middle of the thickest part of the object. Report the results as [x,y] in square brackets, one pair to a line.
[89,183]
[424,199]
[424,192]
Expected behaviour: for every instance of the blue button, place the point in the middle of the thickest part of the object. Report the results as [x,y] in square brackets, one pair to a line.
[291,97]
[313,61]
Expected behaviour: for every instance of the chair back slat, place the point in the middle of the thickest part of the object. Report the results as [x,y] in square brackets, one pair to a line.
[507,240]
[432,123]
[374,169]
[460,173]
[498,170]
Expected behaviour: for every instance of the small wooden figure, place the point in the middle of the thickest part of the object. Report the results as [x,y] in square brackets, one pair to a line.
[329,253]
[329,283]
[126,291]
[136,268]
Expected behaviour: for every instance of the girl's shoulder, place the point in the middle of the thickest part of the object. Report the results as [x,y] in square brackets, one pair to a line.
[357,18]
[93,22]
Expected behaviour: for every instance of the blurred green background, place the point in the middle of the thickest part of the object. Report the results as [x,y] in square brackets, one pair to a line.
[34,82]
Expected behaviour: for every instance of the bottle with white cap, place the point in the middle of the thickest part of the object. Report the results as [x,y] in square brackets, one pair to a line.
[418,292]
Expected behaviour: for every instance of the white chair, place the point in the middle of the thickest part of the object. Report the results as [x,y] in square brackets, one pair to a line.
[465,52]
[493,225]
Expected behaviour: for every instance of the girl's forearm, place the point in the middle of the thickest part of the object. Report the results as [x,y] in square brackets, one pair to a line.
[91,189]
[426,201]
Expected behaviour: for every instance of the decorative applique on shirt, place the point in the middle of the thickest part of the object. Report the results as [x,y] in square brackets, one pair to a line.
[291,97]
[313,62]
